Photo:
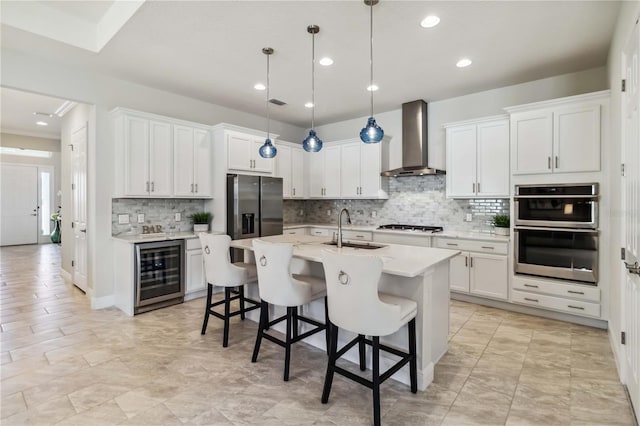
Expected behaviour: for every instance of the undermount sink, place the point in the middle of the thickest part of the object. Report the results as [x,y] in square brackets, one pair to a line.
[366,246]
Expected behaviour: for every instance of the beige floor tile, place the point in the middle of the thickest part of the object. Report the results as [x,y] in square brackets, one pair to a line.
[94,395]
[12,404]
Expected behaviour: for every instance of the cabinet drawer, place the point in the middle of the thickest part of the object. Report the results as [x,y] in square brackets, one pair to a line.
[472,245]
[296,231]
[319,232]
[408,240]
[554,288]
[193,244]
[357,235]
[576,307]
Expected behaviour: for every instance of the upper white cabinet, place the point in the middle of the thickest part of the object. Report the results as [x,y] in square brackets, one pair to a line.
[478,158]
[324,172]
[152,159]
[243,154]
[290,161]
[192,151]
[557,136]
[360,167]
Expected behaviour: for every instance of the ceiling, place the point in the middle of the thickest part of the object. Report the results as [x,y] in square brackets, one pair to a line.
[211,50]
[18,116]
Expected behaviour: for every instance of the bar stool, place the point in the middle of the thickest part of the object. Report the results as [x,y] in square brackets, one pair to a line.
[220,271]
[356,306]
[277,286]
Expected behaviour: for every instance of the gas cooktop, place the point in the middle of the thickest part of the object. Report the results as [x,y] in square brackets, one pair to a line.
[419,228]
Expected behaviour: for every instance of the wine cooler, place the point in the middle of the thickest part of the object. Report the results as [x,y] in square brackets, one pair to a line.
[159,274]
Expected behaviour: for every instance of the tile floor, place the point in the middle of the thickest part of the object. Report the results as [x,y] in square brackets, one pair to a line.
[65,364]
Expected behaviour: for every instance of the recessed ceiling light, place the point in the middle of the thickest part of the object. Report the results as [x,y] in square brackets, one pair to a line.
[463,63]
[259,86]
[309,105]
[326,61]
[42,123]
[430,21]
[372,88]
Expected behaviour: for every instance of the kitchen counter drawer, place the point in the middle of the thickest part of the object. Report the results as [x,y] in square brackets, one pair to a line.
[357,235]
[319,232]
[555,288]
[296,231]
[193,244]
[408,239]
[471,245]
[575,307]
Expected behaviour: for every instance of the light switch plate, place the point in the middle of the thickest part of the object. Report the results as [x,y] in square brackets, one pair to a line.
[374,213]
[178,217]
[328,212]
[469,217]
[123,219]
[140,217]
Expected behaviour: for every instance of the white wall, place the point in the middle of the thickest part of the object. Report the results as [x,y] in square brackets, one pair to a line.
[629,13]
[475,105]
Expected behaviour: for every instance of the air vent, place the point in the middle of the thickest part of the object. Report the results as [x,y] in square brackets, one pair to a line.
[277,102]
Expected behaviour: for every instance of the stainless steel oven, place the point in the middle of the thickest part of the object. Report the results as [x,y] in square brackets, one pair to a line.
[556,231]
[557,206]
[570,254]
[159,274]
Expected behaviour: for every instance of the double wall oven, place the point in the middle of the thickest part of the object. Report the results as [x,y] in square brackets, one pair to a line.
[556,231]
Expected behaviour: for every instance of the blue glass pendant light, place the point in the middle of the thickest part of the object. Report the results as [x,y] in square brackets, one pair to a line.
[268,150]
[371,133]
[312,142]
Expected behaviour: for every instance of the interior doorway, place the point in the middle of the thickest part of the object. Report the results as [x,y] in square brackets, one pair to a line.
[19,205]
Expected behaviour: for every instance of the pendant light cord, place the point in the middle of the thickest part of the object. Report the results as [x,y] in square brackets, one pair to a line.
[313,78]
[268,87]
[371,51]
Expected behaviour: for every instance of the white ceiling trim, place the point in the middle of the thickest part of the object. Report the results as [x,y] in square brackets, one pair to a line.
[40,19]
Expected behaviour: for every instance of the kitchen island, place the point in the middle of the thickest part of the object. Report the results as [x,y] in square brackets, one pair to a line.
[417,273]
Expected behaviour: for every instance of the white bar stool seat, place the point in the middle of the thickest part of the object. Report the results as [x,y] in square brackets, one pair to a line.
[219,271]
[356,305]
[277,286]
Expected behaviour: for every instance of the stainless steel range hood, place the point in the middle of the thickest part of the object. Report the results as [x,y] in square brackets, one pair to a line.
[414,142]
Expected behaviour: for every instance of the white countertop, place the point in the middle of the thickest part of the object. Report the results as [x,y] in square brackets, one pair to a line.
[163,236]
[481,236]
[406,261]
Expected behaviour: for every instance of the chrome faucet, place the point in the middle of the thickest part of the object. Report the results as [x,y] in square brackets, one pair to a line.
[344,210]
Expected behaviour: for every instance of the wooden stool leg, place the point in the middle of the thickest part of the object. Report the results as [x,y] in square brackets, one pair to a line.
[331,362]
[361,350]
[227,309]
[206,308]
[241,294]
[376,380]
[261,328]
[413,362]
[287,347]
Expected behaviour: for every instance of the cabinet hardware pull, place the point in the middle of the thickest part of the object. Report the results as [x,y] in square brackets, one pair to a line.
[530,300]
[575,307]
[294,191]
[359,236]
[556,161]
[473,186]
[575,292]
[196,187]
[478,186]
[452,244]
[549,163]
[488,247]
[466,261]
[531,285]
[191,187]
[153,186]
[147,190]
[470,261]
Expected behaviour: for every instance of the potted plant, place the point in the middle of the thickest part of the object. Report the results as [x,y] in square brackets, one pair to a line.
[201,221]
[501,224]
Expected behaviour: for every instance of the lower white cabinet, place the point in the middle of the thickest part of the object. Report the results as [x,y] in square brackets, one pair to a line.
[195,276]
[296,231]
[481,273]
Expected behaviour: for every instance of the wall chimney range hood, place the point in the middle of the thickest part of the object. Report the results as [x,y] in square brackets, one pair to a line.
[414,142]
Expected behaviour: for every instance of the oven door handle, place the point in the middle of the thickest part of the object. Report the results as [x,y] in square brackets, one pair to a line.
[544,197]
[536,228]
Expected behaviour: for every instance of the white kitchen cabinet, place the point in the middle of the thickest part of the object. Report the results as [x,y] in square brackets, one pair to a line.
[192,165]
[324,172]
[195,272]
[557,136]
[146,156]
[290,167]
[296,231]
[480,269]
[478,158]
[360,167]
[243,154]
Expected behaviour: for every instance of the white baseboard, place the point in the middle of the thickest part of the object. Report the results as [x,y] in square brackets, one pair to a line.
[195,295]
[66,275]
[103,302]
[614,342]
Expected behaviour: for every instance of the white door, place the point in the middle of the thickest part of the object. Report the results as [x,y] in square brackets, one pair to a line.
[183,184]
[160,159]
[19,210]
[284,169]
[332,171]
[263,165]
[136,156]
[493,159]
[239,152]
[370,168]
[488,275]
[531,142]
[202,162]
[79,201]
[350,170]
[630,293]
[461,161]
[316,173]
[576,139]
[459,272]
[297,173]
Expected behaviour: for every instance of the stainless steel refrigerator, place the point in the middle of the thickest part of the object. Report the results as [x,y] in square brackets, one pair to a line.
[254,208]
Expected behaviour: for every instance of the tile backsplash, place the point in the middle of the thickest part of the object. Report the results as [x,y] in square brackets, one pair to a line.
[156,212]
[416,200]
